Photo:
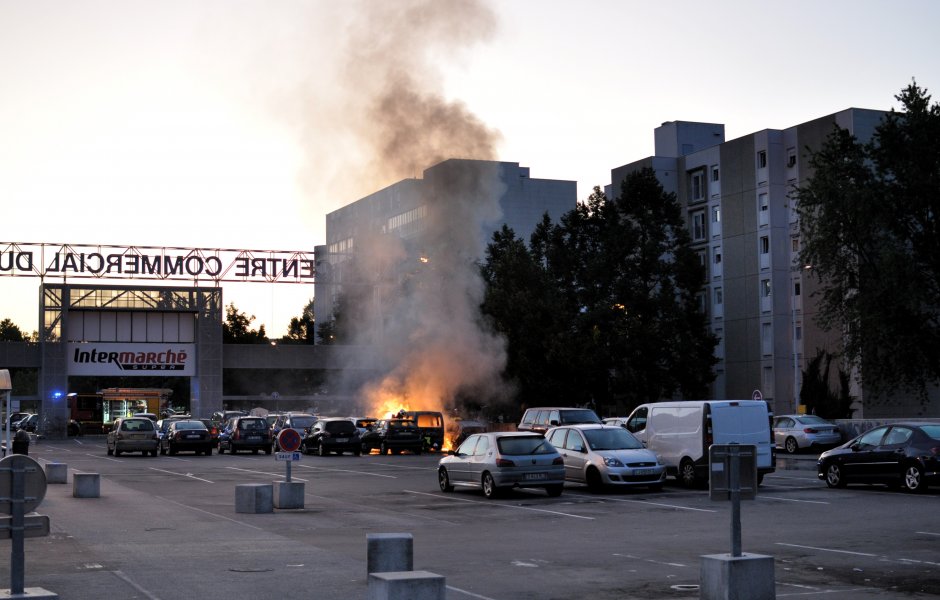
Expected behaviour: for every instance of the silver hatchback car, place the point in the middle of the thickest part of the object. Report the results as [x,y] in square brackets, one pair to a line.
[606,455]
[133,434]
[796,432]
[501,461]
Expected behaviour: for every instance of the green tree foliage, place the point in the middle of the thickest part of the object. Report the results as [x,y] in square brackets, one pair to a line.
[870,232]
[301,328]
[236,328]
[618,293]
[9,332]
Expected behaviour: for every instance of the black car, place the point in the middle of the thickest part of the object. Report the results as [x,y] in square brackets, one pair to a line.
[300,422]
[899,455]
[332,435]
[393,435]
[186,436]
[245,433]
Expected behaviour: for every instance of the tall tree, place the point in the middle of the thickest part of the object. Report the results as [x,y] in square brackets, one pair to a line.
[870,232]
[9,332]
[236,328]
[623,283]
[301,328]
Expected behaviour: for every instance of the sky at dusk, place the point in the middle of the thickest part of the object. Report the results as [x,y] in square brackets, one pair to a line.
[242,123]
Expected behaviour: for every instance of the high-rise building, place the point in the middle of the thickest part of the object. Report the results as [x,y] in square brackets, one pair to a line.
[744,225]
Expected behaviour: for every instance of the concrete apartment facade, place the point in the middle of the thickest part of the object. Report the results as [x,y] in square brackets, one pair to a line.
[745,227]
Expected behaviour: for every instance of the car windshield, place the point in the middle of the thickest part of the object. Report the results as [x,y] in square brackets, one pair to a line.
[137,425]
[611,439]
[302,422]
[401,424]
[189,425]
[578,416]
[252,424]
[521,445]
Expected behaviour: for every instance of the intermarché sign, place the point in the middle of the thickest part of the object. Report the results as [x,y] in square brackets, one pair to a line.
[65,261]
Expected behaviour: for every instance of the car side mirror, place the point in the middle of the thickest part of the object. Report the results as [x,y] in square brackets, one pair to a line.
[855,447]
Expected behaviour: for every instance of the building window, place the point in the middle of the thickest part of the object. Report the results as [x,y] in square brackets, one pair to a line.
[795,245]
[700,300]
[796,288]
[764,202]
[765,244]
[791,157]
[719,296]
[766,339]
[698,226]
[761,159]
[714,172]
[716,252]
[765,288]
[716,213]
[697,186]
[798,332]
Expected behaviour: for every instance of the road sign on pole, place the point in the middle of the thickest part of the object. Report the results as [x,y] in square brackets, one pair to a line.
[288,440]
[756,395]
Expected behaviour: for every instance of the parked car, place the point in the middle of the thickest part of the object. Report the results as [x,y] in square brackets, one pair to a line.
[132,434]
[393,435]
[245,433]
[618,421]
[898,455]
[430,427]
[797,432]
[28,423]
[544,418]
[606,455]
[363,424]
[332,435]
[221,417]
[164,424]
[459,430]
[186,435]
[16,417]
[299,422]
[148,415]
[213,431]
[500,461]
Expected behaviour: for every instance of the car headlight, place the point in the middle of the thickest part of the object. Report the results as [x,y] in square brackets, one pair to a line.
[612,461]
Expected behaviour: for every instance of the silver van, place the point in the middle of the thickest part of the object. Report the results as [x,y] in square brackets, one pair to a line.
[681,433]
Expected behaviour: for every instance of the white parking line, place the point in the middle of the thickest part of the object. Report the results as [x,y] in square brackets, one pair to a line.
[471,594]
[189,475]
[346,471]
[490,503]
[820,592]
[663,504]
[134,585]
[210,513]
[761,496]
[878,556]
[265,473]
[102,457]
[927,532]
[650,560]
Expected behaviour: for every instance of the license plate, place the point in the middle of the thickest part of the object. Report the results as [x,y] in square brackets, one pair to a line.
[254,438]
[534,476]
[192,436]
[644,472]
[342,440]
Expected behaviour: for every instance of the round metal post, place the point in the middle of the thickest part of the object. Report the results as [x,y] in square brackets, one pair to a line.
[735,484]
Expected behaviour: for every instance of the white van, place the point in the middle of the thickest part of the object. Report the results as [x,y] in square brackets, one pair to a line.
[681,433]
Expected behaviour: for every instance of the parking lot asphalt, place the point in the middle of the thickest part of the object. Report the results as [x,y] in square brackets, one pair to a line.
[166,528]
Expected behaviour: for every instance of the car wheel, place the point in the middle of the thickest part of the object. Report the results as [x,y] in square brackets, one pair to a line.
[209,451]
[834,476]
[417,451]
[791,446]
[110,451]
[267,450]
[233,451]
[760,478]
[254,450]
[153,453]
[221,449]
[116,451]
[914,479]
[594,481]
[489,486]
[443,480]
[322,451]
[162,449]
[687,473]
[357,452]
[171,450]
[555,490]
[383,449]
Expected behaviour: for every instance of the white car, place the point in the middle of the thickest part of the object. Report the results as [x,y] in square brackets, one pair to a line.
[796,432]
[606,455]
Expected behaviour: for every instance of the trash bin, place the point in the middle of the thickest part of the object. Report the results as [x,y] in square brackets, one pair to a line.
[20,442]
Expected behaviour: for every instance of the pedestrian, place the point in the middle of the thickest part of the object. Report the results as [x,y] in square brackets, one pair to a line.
[21,442]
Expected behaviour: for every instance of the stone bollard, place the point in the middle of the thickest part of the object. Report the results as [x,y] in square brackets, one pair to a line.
[407,585]
[727,577]
[86,485]
[389,552]
[57,473]
[254,498]
[288,494]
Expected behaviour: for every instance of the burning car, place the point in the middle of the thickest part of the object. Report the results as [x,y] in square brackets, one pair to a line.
[393,435]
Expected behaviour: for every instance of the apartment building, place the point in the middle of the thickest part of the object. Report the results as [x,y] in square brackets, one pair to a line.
[744,225]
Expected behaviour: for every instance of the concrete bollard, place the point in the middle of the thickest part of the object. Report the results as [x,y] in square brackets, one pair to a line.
[57,473]
[727,577]
[288,494]
[254,498]
[407,585]
[389,552]
[86,485]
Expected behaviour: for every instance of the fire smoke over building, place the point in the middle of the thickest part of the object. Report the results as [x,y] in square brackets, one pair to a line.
[412,287]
